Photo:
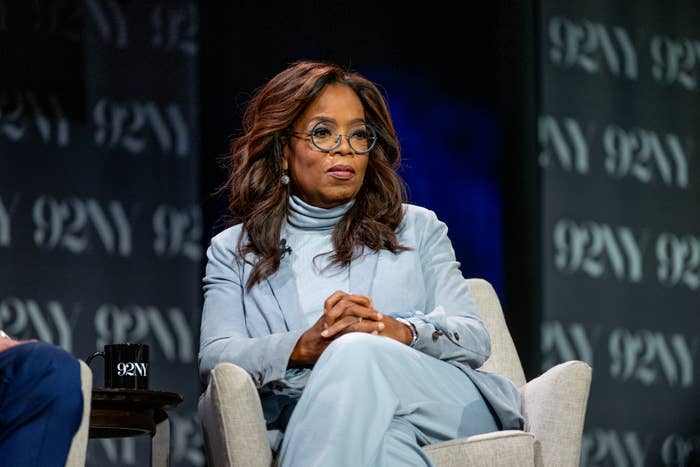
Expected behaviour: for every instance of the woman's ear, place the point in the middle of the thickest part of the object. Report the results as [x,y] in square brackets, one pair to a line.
[285,154]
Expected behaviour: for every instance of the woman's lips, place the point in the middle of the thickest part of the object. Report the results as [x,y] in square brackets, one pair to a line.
[342,172]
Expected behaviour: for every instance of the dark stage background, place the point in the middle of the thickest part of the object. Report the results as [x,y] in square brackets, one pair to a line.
[558,141]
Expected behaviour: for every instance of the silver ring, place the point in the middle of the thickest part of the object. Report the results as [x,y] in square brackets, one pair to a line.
[359,320]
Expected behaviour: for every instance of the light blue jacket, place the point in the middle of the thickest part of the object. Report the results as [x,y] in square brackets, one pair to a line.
[258,329]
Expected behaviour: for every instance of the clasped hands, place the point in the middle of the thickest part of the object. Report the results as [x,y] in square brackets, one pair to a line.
[343,313]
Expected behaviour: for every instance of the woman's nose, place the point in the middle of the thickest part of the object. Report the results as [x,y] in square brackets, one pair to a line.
[344,147]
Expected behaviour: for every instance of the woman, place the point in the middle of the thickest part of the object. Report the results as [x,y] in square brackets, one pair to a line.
[345,304]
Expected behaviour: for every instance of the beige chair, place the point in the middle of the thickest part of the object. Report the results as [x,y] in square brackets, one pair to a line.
[78,448]
[554,406]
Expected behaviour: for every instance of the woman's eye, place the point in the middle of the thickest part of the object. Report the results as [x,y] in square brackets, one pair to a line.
[321,132]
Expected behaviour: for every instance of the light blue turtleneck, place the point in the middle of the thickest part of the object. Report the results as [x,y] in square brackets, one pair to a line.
[309,232]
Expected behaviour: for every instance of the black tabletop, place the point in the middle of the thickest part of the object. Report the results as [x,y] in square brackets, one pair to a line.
[145,398]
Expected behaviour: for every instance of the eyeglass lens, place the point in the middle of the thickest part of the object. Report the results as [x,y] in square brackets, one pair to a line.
[326,136]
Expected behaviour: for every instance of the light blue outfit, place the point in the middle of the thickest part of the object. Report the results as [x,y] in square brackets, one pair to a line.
[369,400]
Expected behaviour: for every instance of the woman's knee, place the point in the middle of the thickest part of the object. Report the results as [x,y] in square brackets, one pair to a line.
[362,348]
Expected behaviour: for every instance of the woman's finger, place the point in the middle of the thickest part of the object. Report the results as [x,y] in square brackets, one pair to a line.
[338,326]
[339,295]
[353,324]
[350,304]
[334,298]
[359,299]
[344,309]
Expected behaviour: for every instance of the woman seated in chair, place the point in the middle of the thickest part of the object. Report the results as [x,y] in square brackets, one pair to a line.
[344,303]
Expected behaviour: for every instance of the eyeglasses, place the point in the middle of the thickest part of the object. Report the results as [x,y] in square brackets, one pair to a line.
[326,137]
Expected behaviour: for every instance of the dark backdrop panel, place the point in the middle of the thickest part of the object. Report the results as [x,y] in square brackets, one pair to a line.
[618,133]
[100,225]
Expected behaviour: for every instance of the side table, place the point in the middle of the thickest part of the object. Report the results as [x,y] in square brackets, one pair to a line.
[117,413]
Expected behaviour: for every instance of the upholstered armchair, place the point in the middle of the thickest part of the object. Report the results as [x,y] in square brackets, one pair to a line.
[554,406]
[78,448]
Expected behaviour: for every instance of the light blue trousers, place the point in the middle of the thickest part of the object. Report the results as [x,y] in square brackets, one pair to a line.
[372,401]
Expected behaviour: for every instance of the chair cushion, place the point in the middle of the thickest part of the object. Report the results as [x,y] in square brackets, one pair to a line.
[508,448]
[78,448]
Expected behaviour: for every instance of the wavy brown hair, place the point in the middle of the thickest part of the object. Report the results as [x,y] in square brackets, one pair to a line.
[258,199]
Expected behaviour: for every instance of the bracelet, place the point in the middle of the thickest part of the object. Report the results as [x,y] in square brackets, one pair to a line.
[412,327]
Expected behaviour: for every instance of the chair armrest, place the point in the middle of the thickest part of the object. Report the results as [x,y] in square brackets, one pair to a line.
[554,407]
[78,447]
[505,448]
[234,428]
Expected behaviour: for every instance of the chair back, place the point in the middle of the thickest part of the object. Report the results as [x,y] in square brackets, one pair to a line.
[504,359]
[78,448]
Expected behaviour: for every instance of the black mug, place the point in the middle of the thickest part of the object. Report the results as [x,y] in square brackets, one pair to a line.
[126,365]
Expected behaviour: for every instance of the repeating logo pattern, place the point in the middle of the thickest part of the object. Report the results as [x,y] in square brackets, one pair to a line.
[619,158]
[99,206]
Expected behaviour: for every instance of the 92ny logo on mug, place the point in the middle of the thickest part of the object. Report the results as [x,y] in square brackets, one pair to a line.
[126,365]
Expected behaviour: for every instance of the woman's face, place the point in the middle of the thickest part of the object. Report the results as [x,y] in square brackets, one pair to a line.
[326,179]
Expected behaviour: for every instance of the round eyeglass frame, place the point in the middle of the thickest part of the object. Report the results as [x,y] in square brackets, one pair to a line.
[340,139]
